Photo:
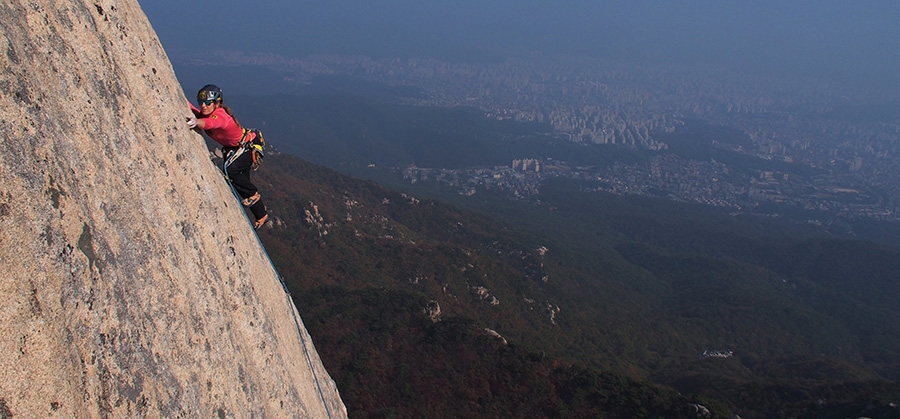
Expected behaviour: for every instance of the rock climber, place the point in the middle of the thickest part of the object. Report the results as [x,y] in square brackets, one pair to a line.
[216,120]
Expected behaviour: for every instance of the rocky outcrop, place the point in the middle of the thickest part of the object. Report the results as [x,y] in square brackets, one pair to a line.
[133,285]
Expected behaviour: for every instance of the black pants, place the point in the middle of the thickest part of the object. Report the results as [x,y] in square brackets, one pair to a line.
[239,173]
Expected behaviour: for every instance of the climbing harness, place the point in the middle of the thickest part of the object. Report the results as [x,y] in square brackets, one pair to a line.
[254,146]
[230,158]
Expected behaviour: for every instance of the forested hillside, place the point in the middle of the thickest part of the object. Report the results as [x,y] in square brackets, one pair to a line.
[586,305]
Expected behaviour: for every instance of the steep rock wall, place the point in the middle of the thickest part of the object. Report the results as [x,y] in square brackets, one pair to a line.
[133,285]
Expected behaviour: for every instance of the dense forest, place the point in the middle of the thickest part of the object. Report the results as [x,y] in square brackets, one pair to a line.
[586,305]
[572,303]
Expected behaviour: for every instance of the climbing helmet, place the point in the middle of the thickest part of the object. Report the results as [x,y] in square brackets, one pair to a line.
[209,94]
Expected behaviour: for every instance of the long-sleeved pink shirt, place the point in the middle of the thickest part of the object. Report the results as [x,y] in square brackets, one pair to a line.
[220,126]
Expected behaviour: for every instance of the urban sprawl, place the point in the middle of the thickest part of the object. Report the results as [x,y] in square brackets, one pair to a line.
[843,142]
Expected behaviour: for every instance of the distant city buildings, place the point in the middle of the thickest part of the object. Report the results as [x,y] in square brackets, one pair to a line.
[526,165]
[840,151]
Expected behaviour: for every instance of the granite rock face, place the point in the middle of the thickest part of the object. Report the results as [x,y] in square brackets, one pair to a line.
[132,284]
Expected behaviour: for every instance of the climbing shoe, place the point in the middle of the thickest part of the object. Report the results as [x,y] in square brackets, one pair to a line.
[248,202]
[260,222]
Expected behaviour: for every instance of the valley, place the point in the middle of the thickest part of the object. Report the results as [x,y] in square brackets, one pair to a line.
[405,294]
[583,277]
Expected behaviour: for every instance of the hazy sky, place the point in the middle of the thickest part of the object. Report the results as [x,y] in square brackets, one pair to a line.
[843,40]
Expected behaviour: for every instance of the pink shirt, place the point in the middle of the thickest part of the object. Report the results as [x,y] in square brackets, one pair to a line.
[221,127]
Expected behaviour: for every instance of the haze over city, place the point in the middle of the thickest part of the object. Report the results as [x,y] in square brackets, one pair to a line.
[845,42]
[815,85]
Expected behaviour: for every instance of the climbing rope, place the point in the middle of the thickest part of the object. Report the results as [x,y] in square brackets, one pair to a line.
[296,314]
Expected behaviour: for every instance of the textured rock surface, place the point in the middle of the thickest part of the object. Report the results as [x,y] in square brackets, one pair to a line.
[133,285]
